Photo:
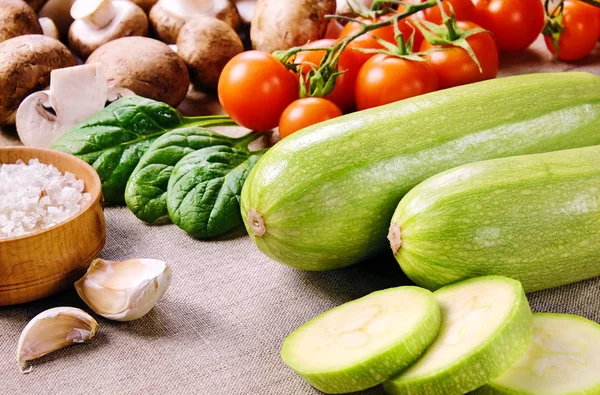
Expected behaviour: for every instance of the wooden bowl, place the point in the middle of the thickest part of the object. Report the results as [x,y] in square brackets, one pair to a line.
[43,263]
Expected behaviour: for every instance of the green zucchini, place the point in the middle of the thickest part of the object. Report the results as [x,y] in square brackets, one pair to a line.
[486,328]
[323,197]
[364,342]
[535,218]
[562,359]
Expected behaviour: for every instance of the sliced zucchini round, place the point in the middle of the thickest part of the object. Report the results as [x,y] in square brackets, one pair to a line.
[562,359]
[486,328]
[363,343]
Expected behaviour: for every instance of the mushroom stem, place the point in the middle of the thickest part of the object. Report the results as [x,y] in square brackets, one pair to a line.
[97,13]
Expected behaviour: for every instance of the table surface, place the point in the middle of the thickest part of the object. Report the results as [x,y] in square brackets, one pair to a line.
[219,328]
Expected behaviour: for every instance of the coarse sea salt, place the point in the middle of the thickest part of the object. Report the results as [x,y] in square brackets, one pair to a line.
[36,196]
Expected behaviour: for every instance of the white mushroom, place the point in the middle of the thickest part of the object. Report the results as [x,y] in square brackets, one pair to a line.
[17,19]
[58,11]
[167,17]
[246,9]
[75,94]
[49,28]
[100,21]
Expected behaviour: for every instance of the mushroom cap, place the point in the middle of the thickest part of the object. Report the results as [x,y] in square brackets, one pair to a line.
[146,66]
[130,20]
[18,19]
[25,66]
[206,44]
[145,5]
[58,11]
[36,4]
[167,17]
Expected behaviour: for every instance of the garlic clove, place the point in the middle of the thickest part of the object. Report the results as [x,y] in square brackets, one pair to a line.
[52,330]
[124,291]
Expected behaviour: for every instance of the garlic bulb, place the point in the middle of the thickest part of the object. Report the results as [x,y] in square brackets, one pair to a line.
[52,330]
[124,291]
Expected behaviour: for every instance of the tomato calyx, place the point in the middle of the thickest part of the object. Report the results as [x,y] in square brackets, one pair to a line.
[402,49]
[321,79]
[449,33]
[554,27]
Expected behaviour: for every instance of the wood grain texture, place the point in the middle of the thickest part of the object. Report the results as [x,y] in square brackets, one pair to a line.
[46,262]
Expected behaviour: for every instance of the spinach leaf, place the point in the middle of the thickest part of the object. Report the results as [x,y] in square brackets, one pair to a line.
[146,192]
[115,138]
[204,190]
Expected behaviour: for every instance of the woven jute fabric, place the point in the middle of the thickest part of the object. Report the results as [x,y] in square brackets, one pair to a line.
[219,328]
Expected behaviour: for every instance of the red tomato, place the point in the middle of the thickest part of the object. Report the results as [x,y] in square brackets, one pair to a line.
[581,31]
[464,10]
[515,23]
[368,41]
[455,67]
[385,79]
[306,112]
[255,88]
[343,93]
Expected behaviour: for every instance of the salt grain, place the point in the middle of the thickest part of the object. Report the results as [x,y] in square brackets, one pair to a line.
[37,196]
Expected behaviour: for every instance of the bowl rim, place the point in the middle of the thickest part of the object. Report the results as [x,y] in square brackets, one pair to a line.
[93,201]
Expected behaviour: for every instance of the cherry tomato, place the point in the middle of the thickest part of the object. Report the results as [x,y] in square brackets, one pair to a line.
[515,23]
[464,10]
[343,93]
[368,41]
[306,112]
[455,67]
[385,79]
[581,31]
[255,88]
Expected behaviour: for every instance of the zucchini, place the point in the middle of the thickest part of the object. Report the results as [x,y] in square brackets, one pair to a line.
[323,197]
[563,359]
[364,342]
[486,328]
[535,218]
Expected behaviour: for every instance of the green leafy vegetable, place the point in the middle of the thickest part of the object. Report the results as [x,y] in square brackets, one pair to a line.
[146,192]
[114,139]
[204,190]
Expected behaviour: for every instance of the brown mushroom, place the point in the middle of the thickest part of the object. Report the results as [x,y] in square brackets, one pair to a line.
[17,19]
[100,21]
[36,4]
[167,17]
[25,66]
[206,45]
[146,66]
[58,11]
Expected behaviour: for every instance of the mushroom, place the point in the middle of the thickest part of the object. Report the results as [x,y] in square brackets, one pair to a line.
[206,44]
[18,19]
[100,21]
[146,66]
[246,9]
[145,5]
[167,17]
[76,93]
[49,28]
[25,66]
[58,11]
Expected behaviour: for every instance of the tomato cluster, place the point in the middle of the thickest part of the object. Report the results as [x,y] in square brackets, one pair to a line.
[260,92]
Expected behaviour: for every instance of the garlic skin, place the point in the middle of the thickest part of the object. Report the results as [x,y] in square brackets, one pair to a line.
[52,330]
[124,291]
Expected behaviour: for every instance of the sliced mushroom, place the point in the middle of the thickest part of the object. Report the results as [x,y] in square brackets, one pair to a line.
[206,45]
[76,93]
[146,66]
[167,17]
[25,66]
[58,11]
[17,19]
[100,21]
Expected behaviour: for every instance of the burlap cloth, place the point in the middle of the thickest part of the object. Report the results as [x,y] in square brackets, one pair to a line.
[219,328]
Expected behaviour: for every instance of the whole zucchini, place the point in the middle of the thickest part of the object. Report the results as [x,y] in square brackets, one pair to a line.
[323,197]
[535,218]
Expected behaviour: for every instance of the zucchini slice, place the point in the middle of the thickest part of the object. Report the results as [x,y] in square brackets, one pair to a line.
[563,359]
[486,328]
[363,343]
